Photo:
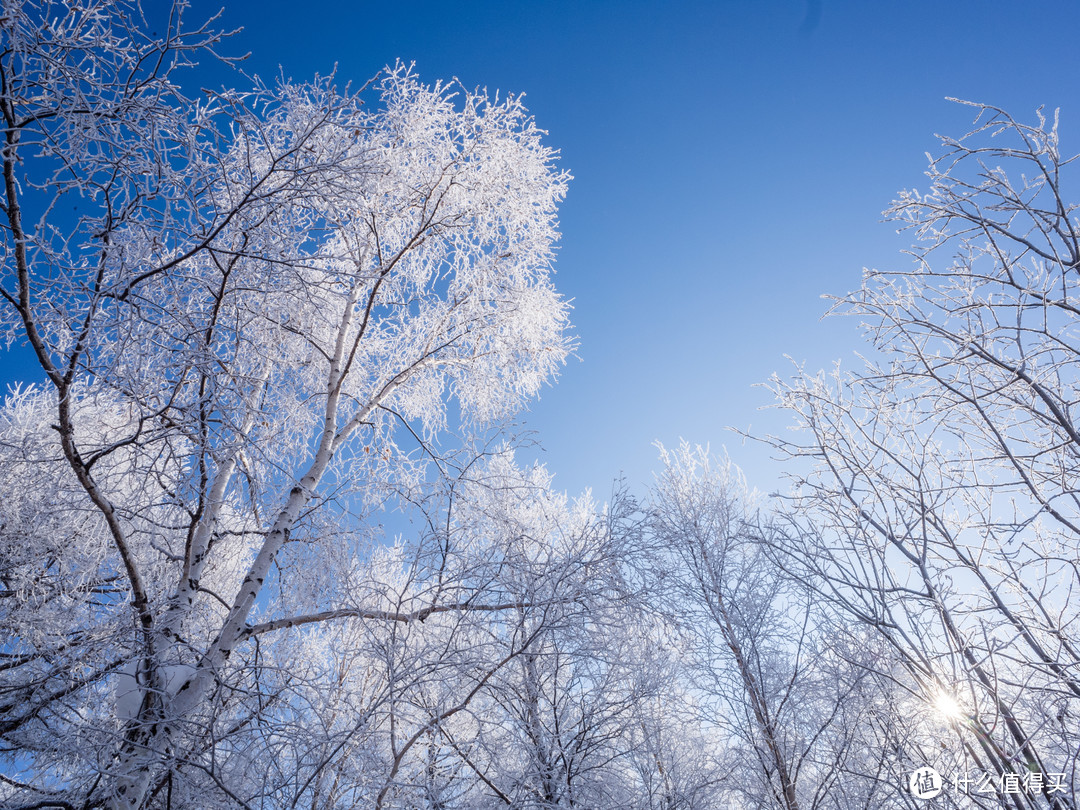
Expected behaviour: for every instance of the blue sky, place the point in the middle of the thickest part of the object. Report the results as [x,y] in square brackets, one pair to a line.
[731,160]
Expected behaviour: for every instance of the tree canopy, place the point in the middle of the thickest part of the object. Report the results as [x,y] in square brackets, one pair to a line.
[266,540]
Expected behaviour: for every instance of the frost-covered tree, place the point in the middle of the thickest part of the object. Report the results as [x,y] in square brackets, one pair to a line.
[771,683]
[258,315]
[942,509]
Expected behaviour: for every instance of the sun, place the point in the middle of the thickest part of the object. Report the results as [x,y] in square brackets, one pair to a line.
[948,706]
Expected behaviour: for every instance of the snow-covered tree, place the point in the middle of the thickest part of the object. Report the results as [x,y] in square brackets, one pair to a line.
[942,508]
[261,316]
[768,677]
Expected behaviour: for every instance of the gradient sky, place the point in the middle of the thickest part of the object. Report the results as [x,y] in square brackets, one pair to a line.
[731,160]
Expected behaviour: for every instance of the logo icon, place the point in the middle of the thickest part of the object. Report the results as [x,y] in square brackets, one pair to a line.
[925,783]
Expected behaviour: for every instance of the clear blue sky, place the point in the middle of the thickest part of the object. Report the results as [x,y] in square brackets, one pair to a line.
[731,161]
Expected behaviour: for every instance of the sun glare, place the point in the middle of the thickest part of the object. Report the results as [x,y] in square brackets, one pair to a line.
[948,706]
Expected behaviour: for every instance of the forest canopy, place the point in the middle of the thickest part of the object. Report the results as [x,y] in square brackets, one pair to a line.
[275,316]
